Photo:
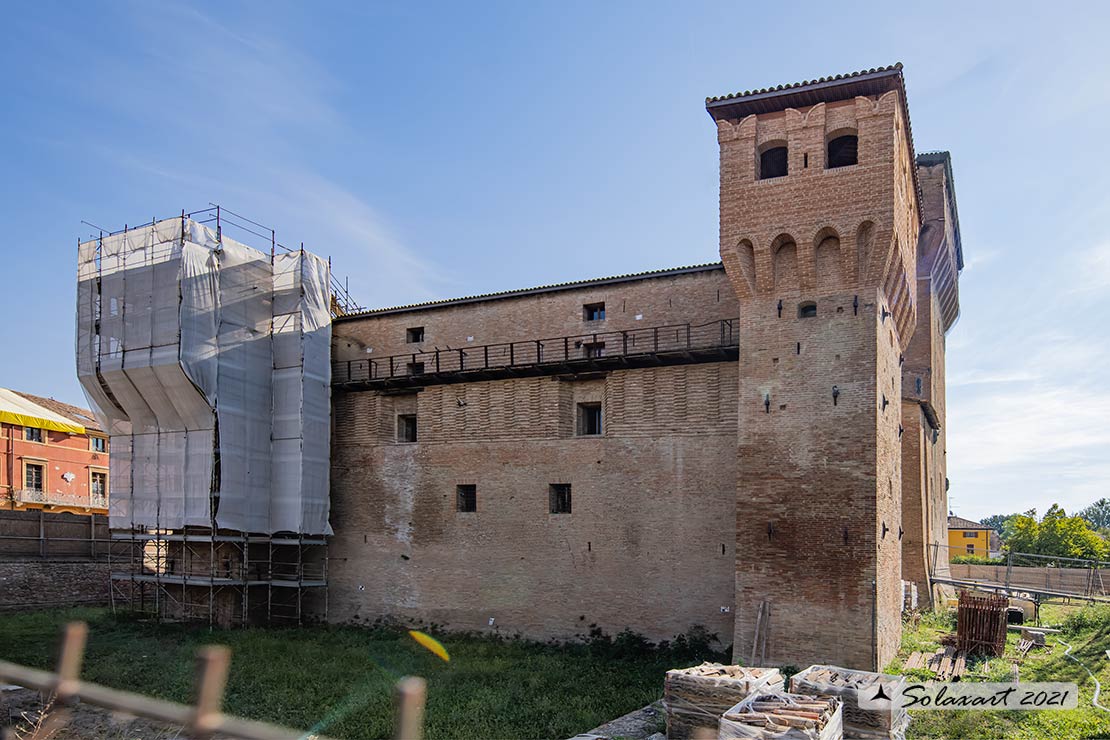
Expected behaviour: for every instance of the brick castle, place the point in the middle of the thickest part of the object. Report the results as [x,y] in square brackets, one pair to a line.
[756,446]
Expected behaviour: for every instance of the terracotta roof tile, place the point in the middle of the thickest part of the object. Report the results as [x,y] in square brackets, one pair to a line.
[81,416]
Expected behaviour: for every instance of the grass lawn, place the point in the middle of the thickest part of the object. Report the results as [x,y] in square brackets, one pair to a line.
[1086,629]
[339,680]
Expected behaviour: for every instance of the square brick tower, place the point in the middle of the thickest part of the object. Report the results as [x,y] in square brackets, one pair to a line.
[820,217]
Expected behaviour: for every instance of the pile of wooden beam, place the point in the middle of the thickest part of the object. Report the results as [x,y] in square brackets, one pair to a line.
[848,686]
[981,623]
[946,663]
[695,697]
[779,716]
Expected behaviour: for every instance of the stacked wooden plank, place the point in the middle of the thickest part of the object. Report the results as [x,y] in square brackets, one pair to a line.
[848,686]
[946,663]
[780,716]
[981,623]
[695,697]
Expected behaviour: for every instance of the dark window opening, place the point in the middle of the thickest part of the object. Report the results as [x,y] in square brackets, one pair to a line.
[32,434]
[772,163]
[589,419]
[594,349]
[917,384]
[406,428]
[466,498]
[416,368]
[99,444]
[414,334]
[971,549]
[593,311]
[843,151]
[559,495]
[33,477]
[807,310]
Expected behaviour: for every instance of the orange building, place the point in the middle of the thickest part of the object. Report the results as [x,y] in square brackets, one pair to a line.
[55,456]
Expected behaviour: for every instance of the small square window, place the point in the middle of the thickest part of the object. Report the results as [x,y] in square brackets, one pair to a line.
[466,498]
[32,434]
[98,444]
[559,495]
[593,349]
[414,334]
[971,549]
[416,368]
[406,428]
[593,311]
[33,476]
[589,419]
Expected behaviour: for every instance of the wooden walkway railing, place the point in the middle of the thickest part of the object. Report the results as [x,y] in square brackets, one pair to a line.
[595,347]
[201,720]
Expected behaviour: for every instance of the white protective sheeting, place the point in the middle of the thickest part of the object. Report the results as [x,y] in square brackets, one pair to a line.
[301,388]
[187,359]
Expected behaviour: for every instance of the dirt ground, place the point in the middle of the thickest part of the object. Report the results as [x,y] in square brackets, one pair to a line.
[21,713]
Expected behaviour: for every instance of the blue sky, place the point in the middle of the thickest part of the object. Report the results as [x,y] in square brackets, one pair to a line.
[444,149]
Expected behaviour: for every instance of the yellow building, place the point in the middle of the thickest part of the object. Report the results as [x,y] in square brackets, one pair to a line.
[966,537]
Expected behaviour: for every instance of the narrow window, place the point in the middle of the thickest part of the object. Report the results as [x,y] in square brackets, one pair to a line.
[593,311]
[32,434]
[589,419]
[772,163]
[807,310]
[99,485]
[843,151]
[99,444]
[917,384]
[593,349]
[466,498]
[416,368]
[33,475]
[414,334]
[406,428]
[559,494]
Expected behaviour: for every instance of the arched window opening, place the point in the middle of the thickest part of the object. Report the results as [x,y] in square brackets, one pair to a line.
[772,163]
[843,151]
[807,310]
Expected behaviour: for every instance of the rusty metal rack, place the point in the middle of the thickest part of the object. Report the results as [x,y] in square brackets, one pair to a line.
[674,344]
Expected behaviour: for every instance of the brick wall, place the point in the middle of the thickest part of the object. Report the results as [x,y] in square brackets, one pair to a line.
[649,544]
[69,571]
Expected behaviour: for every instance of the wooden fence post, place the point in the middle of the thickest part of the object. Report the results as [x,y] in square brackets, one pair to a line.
[213,662]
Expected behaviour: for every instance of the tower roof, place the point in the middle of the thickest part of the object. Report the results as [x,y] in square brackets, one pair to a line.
[808,92]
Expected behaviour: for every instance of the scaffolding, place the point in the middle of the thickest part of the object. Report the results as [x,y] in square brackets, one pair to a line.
[208,361]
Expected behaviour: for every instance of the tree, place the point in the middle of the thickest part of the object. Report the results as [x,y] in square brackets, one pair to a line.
[998,523]
[1056,534]
[1098,514]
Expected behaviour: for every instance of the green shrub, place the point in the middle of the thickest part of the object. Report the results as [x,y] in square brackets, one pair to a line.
[976,560]
[1091,617]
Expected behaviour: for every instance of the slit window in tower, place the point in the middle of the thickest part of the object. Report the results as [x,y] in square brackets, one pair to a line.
[593,311]
[406,428]
[466,498]
[772,163]
[843,151]
[589,419]
[559,498]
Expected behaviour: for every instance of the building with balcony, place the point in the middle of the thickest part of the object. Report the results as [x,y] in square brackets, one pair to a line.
[55,456]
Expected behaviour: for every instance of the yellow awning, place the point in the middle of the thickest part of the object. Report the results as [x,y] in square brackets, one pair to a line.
[15,409]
